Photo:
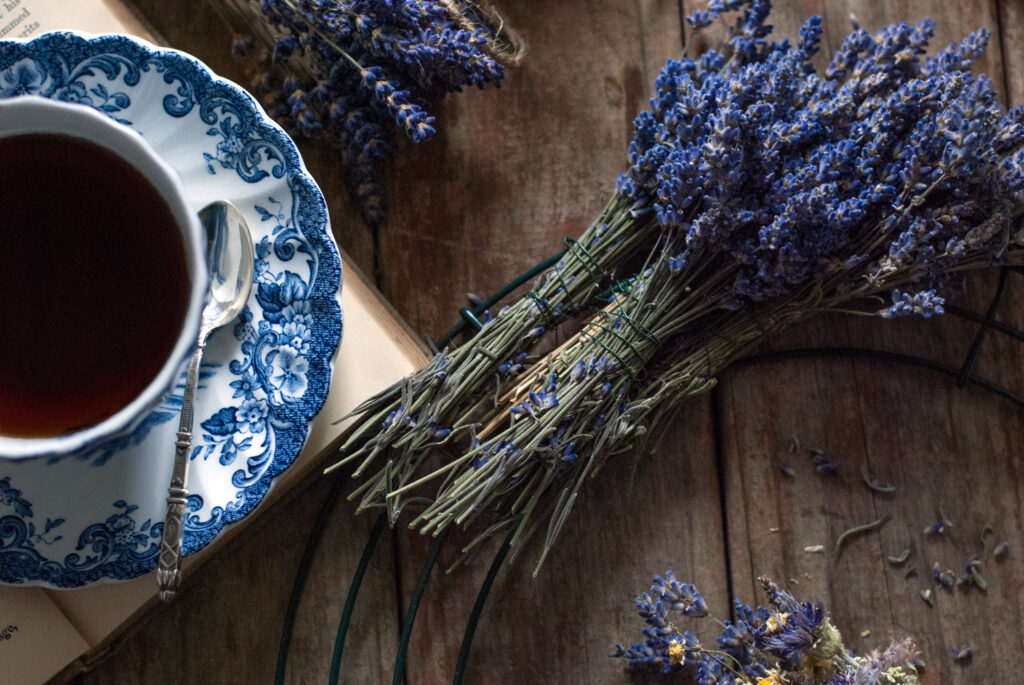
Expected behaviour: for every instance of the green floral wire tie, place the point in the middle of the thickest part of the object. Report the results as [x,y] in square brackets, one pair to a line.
[471,316]
[571,304]
[632,348]
[543,306]
[576,249]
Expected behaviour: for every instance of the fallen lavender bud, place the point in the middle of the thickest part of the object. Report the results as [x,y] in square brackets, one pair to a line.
[823,464]
[940,527]
[961,654]
[945,578]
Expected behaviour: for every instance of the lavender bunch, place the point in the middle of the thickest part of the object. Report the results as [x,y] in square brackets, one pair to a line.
[786,642]
[762,193]
[353,72]
[443,401]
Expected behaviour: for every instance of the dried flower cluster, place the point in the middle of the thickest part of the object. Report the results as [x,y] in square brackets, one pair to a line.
[353,71]
[788,642]
[758,194]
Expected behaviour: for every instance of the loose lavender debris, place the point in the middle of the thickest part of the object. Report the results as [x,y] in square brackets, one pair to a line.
[823,464]
[900,559]
[876,484]
[940,527]
[943,577]
[961,654]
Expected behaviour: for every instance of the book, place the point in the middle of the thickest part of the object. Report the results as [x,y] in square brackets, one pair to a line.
[47,634]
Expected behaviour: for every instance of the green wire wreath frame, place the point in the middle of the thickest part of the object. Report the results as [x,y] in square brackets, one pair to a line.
[964,377]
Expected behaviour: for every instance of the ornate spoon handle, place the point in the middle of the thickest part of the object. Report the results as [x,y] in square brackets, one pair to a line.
[168,573]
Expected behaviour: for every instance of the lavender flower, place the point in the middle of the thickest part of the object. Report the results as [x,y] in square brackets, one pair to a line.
[786,642]
[352,71]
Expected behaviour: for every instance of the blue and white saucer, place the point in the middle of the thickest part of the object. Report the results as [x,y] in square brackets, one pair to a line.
[98,515]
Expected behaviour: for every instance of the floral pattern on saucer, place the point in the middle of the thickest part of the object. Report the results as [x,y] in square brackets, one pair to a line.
[98,515]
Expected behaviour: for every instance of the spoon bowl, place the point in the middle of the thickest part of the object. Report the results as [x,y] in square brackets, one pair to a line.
[230,256]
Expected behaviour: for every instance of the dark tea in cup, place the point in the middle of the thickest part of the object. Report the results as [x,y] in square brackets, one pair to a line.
[94,281]
[102,278]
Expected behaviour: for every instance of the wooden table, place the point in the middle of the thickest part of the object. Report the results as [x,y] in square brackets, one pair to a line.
[512,172]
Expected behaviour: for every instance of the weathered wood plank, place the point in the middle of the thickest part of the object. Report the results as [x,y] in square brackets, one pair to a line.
[944,450]
[1011,29]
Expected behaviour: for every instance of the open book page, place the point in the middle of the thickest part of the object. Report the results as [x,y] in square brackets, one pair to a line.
[36,641]
[27,18]
[43,631]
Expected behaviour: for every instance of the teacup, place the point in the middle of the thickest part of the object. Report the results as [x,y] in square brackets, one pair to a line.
[102,278]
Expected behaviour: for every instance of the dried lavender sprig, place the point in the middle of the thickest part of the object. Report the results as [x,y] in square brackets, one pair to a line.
[403,421]
[350,71]
[580,406]
[787,641]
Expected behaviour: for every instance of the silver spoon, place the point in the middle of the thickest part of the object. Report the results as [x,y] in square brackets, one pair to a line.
[229,254]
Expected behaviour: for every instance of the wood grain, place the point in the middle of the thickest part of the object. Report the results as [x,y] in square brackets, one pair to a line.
[513,171]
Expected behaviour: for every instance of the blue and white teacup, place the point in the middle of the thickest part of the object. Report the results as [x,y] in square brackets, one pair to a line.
[102,279]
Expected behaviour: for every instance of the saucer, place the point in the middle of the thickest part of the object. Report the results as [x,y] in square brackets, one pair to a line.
[97,515]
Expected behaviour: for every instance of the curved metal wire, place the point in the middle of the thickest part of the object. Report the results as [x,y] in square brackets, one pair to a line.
[414,605]
[478,606]
[353,593]
[972,354]
[469,316]
[302,574]
[879,355]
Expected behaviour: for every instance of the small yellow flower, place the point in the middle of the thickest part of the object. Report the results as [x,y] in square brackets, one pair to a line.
[775,624]
[772,677]
[676,652]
